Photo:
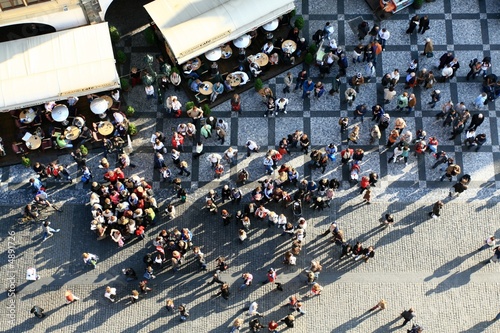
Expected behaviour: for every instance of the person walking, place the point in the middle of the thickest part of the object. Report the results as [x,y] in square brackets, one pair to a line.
[70,298]
[37,311]
[110,294]
[247,280]
[407,315]
[224,291]
[476,121]
[301,79]
[288,82]
[452,170]
[363,29]
[488,243]
[183,169]
[496,256]
[435,97]
[381,305]
[48,231]
[436,209]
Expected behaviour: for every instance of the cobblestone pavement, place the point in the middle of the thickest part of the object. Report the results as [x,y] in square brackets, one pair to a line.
[429,264]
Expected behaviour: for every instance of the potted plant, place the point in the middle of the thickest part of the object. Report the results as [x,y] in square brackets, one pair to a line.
[299,22]
[206,110]
[25,161]
[121,57]
[125,84]
[258,84]
[189,105]
[175,69]
[115,34]
[149,35]
[417,4]
[309,58]
[84,150]
[313,49]
[132,129]
[130,111]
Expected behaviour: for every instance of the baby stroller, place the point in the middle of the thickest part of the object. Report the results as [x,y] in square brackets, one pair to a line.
[297,209]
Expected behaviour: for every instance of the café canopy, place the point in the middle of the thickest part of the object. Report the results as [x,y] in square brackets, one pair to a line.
[55,66]
[193,27]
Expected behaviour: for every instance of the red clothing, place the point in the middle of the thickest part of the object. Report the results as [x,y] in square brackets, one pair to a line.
[272,325]
[111,176]
[365,182]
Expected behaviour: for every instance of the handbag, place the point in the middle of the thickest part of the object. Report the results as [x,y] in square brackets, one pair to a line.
[430,54]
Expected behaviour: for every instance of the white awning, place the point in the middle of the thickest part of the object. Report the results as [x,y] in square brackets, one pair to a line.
[193,27]
[56,66]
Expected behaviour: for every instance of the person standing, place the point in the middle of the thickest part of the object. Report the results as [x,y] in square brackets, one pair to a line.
[488,243]
[37,311]
[247,280]
[435,97]
[183,169]
[110,294]
[236,103]
[184,314]
[407,315]
[423,25]
[496,256]
[360,111]
[363,29]
[436,209]
[414,22]
[301,79]
[452,170]
[288,82]
[281,105]
[384,35]
[476,120]
[307,88]
[382,305]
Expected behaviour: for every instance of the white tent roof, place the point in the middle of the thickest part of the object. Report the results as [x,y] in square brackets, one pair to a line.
[192,27]
[56,66]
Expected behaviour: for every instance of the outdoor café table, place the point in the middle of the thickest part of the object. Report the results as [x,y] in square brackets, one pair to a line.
[27,116]
[289,46]
[108,99]
[34,142]
[206,88]
[261,59]
[72,133]
[195,64]
[105,128]
[227,52]
[234,80]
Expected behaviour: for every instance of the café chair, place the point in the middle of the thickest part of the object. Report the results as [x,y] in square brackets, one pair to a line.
[15,113]
[116,106]
[46,144]
[19,124]
[18,148]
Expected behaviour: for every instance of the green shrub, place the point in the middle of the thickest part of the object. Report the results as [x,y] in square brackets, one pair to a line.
[115,34]
[189,105]
[417,4]
[84,150]
[309,58]
[206,110]
[299,22]
[125,84]
[121,57]
[258,84]
[313,48]
[26,161]
[130,111]
[149,35]
[292,13]
[175,69]
[132,129]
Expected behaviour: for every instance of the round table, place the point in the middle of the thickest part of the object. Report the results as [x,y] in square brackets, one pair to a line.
[105,128]
[271,26]
[261,59]
[227,52]
[214,55]
[234,80]
[195,64]
[242,41]
[60,113]
[72,133]
[289,46]
[27,116]
[34,142]
[108,99]
[207,88]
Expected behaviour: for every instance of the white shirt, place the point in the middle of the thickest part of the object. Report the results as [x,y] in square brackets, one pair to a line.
[384,35]
[395,76]
[231,153]
[253,308]
[214,158]
[111,292]
[268,161]
[447,71]
[150,90]
[251,144]
[282,104]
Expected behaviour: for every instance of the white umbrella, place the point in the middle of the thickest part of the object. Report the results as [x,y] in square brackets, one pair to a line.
[60,112]
[99,106]
[118,117]
[271,26]
[242,41]
[214,55]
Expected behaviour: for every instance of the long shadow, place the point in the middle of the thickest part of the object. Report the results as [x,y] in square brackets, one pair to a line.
[354,322]
[448,266]
[456,280]
[479,327]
